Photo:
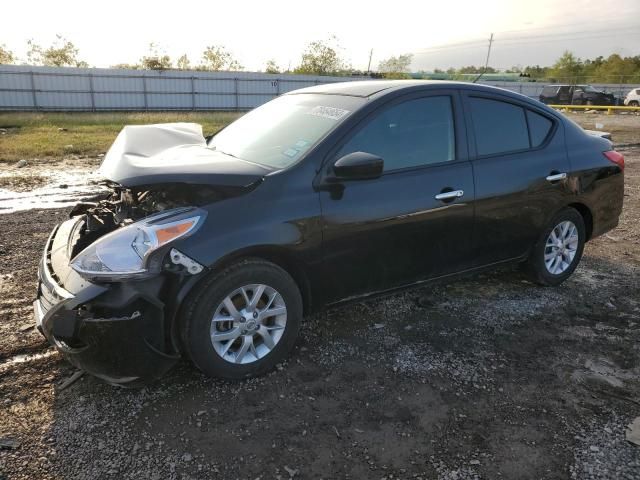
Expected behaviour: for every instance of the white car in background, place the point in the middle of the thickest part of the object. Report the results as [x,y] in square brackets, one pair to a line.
[633,98]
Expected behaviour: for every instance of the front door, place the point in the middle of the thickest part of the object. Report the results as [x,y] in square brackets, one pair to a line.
[416,220]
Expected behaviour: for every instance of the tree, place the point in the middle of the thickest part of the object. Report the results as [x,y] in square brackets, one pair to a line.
[567,68]
[474,69]
[62,53]
[272,67]
[183,62]
[126,66]
[216,58]
[396,67]
[6,56]
[322,58]
[536,71]
[156,59]
[616,69]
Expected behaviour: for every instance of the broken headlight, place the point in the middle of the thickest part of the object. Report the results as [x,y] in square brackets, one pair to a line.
[125,253]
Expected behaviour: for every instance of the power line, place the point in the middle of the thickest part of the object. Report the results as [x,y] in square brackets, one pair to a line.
[515,40]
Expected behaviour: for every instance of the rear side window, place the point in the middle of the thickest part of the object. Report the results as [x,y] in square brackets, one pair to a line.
[539,128]
[499,126]
[549,91]
[410,134]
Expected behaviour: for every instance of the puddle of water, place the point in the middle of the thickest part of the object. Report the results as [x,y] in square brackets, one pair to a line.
[63,189]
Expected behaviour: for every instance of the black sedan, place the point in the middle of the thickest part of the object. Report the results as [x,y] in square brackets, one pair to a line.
[216,249]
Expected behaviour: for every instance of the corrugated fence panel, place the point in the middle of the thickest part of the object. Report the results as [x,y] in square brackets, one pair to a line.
[17,81]
[103,89]
[119,101]
[117,84]
[16,100]
[55,88]
[213,85]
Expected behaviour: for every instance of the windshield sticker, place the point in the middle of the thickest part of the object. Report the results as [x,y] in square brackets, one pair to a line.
[301,144]
[328,112]
[291,152]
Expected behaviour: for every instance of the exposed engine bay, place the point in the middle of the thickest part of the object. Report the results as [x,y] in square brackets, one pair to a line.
[153,168]
[123,206]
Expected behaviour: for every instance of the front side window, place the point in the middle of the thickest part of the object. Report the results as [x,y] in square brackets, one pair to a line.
[410,134]
[278,133]
[499,127]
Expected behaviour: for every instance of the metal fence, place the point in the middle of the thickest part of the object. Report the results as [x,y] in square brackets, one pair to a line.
[96,89]
[533,89]
[27,88]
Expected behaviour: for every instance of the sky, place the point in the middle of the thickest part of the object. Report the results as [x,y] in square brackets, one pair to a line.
[439,34]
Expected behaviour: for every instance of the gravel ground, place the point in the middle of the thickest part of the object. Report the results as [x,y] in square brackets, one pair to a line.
[487,377]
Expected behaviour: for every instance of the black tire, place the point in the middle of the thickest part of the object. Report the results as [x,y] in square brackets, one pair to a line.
[202,304]
[536,267]
[633,103]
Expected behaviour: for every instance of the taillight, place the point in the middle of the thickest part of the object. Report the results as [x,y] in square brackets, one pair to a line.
[615,157]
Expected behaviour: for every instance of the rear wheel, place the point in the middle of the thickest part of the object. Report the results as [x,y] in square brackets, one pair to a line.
[243,321]
[633,103]
[559,249]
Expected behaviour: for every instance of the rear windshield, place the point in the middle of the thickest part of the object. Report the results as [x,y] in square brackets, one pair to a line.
[278,133]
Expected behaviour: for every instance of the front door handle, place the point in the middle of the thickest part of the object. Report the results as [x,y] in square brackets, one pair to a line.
[449,195]
[555,177]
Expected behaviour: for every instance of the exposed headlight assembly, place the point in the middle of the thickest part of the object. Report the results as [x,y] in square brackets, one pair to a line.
[126,252]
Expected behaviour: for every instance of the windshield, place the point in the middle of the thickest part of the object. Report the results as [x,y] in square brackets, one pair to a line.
[278,133]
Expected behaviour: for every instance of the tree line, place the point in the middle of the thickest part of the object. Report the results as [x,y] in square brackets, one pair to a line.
[325,57]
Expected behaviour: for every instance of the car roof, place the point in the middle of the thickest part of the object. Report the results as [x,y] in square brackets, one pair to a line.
[376,88]
[369,88]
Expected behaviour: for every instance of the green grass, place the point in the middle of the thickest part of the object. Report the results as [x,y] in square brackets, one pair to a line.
[37,136]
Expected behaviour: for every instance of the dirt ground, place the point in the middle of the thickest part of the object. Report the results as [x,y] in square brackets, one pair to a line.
[487,377]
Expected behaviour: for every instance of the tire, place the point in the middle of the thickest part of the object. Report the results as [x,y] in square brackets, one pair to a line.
[633,103]
[210,302]
[560,269]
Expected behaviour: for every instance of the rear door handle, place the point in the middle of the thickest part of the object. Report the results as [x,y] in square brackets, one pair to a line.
[449,195]
[556,177]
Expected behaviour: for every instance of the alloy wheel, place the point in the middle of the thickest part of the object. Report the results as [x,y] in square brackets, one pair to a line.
[561,247]
[248,323]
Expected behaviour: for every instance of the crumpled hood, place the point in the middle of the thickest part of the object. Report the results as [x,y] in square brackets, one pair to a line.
[173,153]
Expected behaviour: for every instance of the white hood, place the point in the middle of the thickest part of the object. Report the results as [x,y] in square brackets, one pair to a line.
[173,152]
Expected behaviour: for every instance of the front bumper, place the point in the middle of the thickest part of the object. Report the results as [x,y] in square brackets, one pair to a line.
[114,331]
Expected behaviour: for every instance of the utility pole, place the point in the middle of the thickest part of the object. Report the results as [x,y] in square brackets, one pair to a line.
[369,66]
[486,62]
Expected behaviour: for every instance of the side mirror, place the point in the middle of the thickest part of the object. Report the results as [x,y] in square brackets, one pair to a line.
[358,166]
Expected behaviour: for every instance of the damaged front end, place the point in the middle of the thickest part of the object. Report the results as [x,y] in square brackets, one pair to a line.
[110,276]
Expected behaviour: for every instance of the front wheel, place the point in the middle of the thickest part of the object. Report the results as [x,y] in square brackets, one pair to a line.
[633,103]
[559,249]
[243,320]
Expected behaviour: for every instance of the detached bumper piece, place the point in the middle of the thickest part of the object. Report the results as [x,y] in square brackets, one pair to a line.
[115,332]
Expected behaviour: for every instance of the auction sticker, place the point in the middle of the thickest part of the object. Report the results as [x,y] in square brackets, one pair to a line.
[328,112]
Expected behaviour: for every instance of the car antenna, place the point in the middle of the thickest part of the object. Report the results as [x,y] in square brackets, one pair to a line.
[486,62]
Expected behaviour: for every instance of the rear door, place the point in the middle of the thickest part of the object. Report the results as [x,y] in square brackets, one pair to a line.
[410,223]
[520,164]
[564,95]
